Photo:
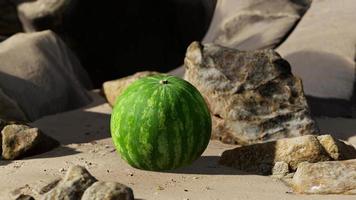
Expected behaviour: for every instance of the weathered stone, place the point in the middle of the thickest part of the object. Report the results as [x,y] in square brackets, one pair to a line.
[291,151]
[326,68]
[39,76]
[72,186]
[108,191]
[254,24]
[25,197]
[337,150]
[252,94]
[280,169]
[22,140]
[113,89]
[48,187]
[333,177]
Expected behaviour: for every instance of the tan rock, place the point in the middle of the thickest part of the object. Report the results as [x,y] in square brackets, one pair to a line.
[114,88]
[108,191]
[333,177]
[258,157]
[72,186]
[338,150]
[252,94]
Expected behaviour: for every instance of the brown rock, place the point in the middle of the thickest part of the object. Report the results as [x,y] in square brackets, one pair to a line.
[280,169]
[72,186]
[338,150]
[334,177]
[108,191]
[114,88]
[23,140]
[262,157]
[252,94]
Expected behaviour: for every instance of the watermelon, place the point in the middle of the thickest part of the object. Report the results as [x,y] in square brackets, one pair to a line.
[160,122]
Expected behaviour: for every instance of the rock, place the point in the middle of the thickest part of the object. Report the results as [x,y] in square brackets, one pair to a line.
[252,95]
[48,187]
[326,68]
[25,197]
[337,150]
[9,22]
[291,151]
[113,89]
[21,140]
[119,38]
[72,186]
[254,24]
[280,169]
[108,191]
[333,177]
[46,80]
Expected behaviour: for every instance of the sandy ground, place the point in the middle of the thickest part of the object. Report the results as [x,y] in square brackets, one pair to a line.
[86,141]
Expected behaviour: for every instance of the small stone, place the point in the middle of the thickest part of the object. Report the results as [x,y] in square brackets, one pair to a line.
[73,185]
[185,190]
[280,169]
[49,186]
[22,140]
[291,151]
[113,89]
[252,95]
[333,177]
[338,150]
[61,170]
[108,191]
[160,188]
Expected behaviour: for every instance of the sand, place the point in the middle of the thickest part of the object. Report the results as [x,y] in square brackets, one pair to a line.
[86,141]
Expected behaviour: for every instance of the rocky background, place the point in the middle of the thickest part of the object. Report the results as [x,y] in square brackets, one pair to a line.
[266,68]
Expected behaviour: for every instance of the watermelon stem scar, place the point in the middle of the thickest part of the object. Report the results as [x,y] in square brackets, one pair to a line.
[163,81]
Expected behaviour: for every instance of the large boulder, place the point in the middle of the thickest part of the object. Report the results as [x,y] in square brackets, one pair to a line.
[252,95]
[118,38]
[39,76]
[322,52]
[254,24]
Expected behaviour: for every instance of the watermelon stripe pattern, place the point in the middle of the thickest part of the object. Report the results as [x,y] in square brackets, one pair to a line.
[160,122]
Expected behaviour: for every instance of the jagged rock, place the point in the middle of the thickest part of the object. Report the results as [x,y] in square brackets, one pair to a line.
[252,95]
[113,89]
[72,186]
[22,140]
[254,24]
[333,177]
[108,191]
[337,150]
[25,197]
[9,22]
[280,169]
[326,68]
[39,76]
[291,151]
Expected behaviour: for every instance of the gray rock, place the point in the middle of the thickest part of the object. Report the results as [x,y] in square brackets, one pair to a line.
[39,76]
[44,14]
[21,140]
[280,169]
[25,197]
[252,95]
[291,151]
[254,24]
[334,177]
[9,22]
[321,50]
[114,88]
[108,191]
[72,186]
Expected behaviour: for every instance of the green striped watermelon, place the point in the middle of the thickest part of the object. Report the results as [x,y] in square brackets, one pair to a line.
[160,122]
